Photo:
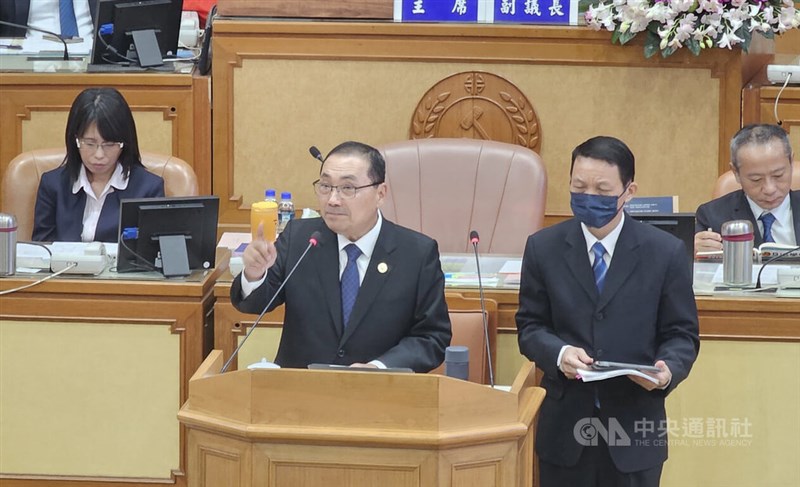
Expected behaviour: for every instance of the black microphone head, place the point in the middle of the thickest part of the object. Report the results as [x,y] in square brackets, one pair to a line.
[316,153]
[314,238]
[473,237]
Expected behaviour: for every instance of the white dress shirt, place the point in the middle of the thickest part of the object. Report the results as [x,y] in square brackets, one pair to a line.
[783,227]
[94,203]
[44,14]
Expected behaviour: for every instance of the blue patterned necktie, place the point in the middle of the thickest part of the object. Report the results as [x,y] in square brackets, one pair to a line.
[599,267]
[768,219]
[350,283]
[69,24]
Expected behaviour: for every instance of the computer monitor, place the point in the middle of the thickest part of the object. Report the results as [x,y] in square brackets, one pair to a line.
[172,235]
[679,224]
[138,32]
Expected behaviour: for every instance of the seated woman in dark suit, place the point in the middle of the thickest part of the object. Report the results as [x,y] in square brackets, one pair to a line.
[79,200]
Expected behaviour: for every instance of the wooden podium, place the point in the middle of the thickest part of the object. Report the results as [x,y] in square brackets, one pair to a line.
[308,428]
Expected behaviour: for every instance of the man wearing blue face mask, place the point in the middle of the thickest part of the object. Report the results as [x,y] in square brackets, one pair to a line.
[604,287]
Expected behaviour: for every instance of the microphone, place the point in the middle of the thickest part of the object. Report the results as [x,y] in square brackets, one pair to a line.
[25,26]
[312,242]
[771,260]
[474,239]
[316,153]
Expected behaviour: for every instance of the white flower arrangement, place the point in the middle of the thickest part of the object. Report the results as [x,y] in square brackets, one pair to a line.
[696,24]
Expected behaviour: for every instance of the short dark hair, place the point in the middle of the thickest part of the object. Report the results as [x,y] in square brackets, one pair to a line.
[610,150]
[377,165]
[106,108]
[759,133]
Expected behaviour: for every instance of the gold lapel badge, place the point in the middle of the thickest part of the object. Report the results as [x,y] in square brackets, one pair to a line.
[383,268]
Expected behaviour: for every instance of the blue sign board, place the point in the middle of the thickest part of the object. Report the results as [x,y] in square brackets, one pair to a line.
[533,11]
[440,11]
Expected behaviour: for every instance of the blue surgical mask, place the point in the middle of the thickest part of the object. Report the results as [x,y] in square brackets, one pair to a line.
[595,210]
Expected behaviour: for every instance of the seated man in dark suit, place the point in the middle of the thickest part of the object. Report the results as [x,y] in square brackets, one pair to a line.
[603,286]
[762,163]
[371,293]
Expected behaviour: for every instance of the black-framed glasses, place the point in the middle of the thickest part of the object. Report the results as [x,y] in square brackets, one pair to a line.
[345,190]
[92,146]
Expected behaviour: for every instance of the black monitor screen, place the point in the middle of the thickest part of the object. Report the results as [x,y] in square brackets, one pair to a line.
[679,224]
[171,235]
[139,32]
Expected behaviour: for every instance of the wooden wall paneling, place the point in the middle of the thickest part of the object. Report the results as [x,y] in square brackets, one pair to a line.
[171,96]
[238,44]
[353,9]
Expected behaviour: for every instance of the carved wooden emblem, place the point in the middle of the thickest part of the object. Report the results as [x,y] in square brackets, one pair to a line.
[477,105]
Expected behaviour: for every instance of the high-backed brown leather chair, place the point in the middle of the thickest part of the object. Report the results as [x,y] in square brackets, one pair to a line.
[446,187]
[727,182]
[21,181]
[467,324]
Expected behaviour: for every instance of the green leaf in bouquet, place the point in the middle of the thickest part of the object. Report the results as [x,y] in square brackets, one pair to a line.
[651,44]
[693,46]
[744,33]
[668,51]
[626,36]
[615,36]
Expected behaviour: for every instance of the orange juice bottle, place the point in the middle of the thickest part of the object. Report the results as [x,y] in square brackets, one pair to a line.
[265,212]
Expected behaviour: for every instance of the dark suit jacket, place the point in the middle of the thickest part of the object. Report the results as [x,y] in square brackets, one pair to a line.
[59,213]
[400,316]
[17,11]
[734,206]
[645,313]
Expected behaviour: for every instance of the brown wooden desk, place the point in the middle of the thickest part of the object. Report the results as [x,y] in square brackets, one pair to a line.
[746,373]
[93,373]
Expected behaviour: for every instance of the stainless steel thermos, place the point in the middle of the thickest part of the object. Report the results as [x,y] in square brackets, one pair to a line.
[737,253]
[8,245]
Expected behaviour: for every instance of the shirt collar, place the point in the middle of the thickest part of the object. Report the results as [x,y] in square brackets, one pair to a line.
[366,243]
[610,240]
[781,212]
[117,181]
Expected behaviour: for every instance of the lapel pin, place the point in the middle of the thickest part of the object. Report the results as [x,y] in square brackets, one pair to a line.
[383,268]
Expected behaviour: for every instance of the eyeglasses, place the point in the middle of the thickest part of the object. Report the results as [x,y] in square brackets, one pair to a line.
[92,146]
[345,190]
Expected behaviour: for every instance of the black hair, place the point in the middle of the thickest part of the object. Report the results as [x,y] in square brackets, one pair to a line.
[377,165]
[108,110]
[610,150]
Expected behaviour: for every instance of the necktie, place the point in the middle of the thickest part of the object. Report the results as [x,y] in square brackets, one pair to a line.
[349,282]
[69,24]
[599,267]
[767,219]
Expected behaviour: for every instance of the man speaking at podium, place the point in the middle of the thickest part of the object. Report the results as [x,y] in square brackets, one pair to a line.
[605,287]
[370,293]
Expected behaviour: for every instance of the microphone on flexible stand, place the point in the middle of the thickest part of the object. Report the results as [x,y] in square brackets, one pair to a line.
[312,242]
[24,26]
[316,153]
[770,261]
[474,239]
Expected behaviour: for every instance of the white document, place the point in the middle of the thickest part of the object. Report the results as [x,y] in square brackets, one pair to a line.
[594,375]
[513,266]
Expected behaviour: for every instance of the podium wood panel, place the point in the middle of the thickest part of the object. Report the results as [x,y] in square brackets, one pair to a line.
[318,428]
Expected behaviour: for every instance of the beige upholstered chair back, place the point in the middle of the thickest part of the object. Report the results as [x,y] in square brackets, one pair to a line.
[467,324]
[727,182]
[21,181]
[446,187]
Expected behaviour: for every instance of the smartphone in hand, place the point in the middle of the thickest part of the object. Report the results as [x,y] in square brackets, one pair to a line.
[601,365]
